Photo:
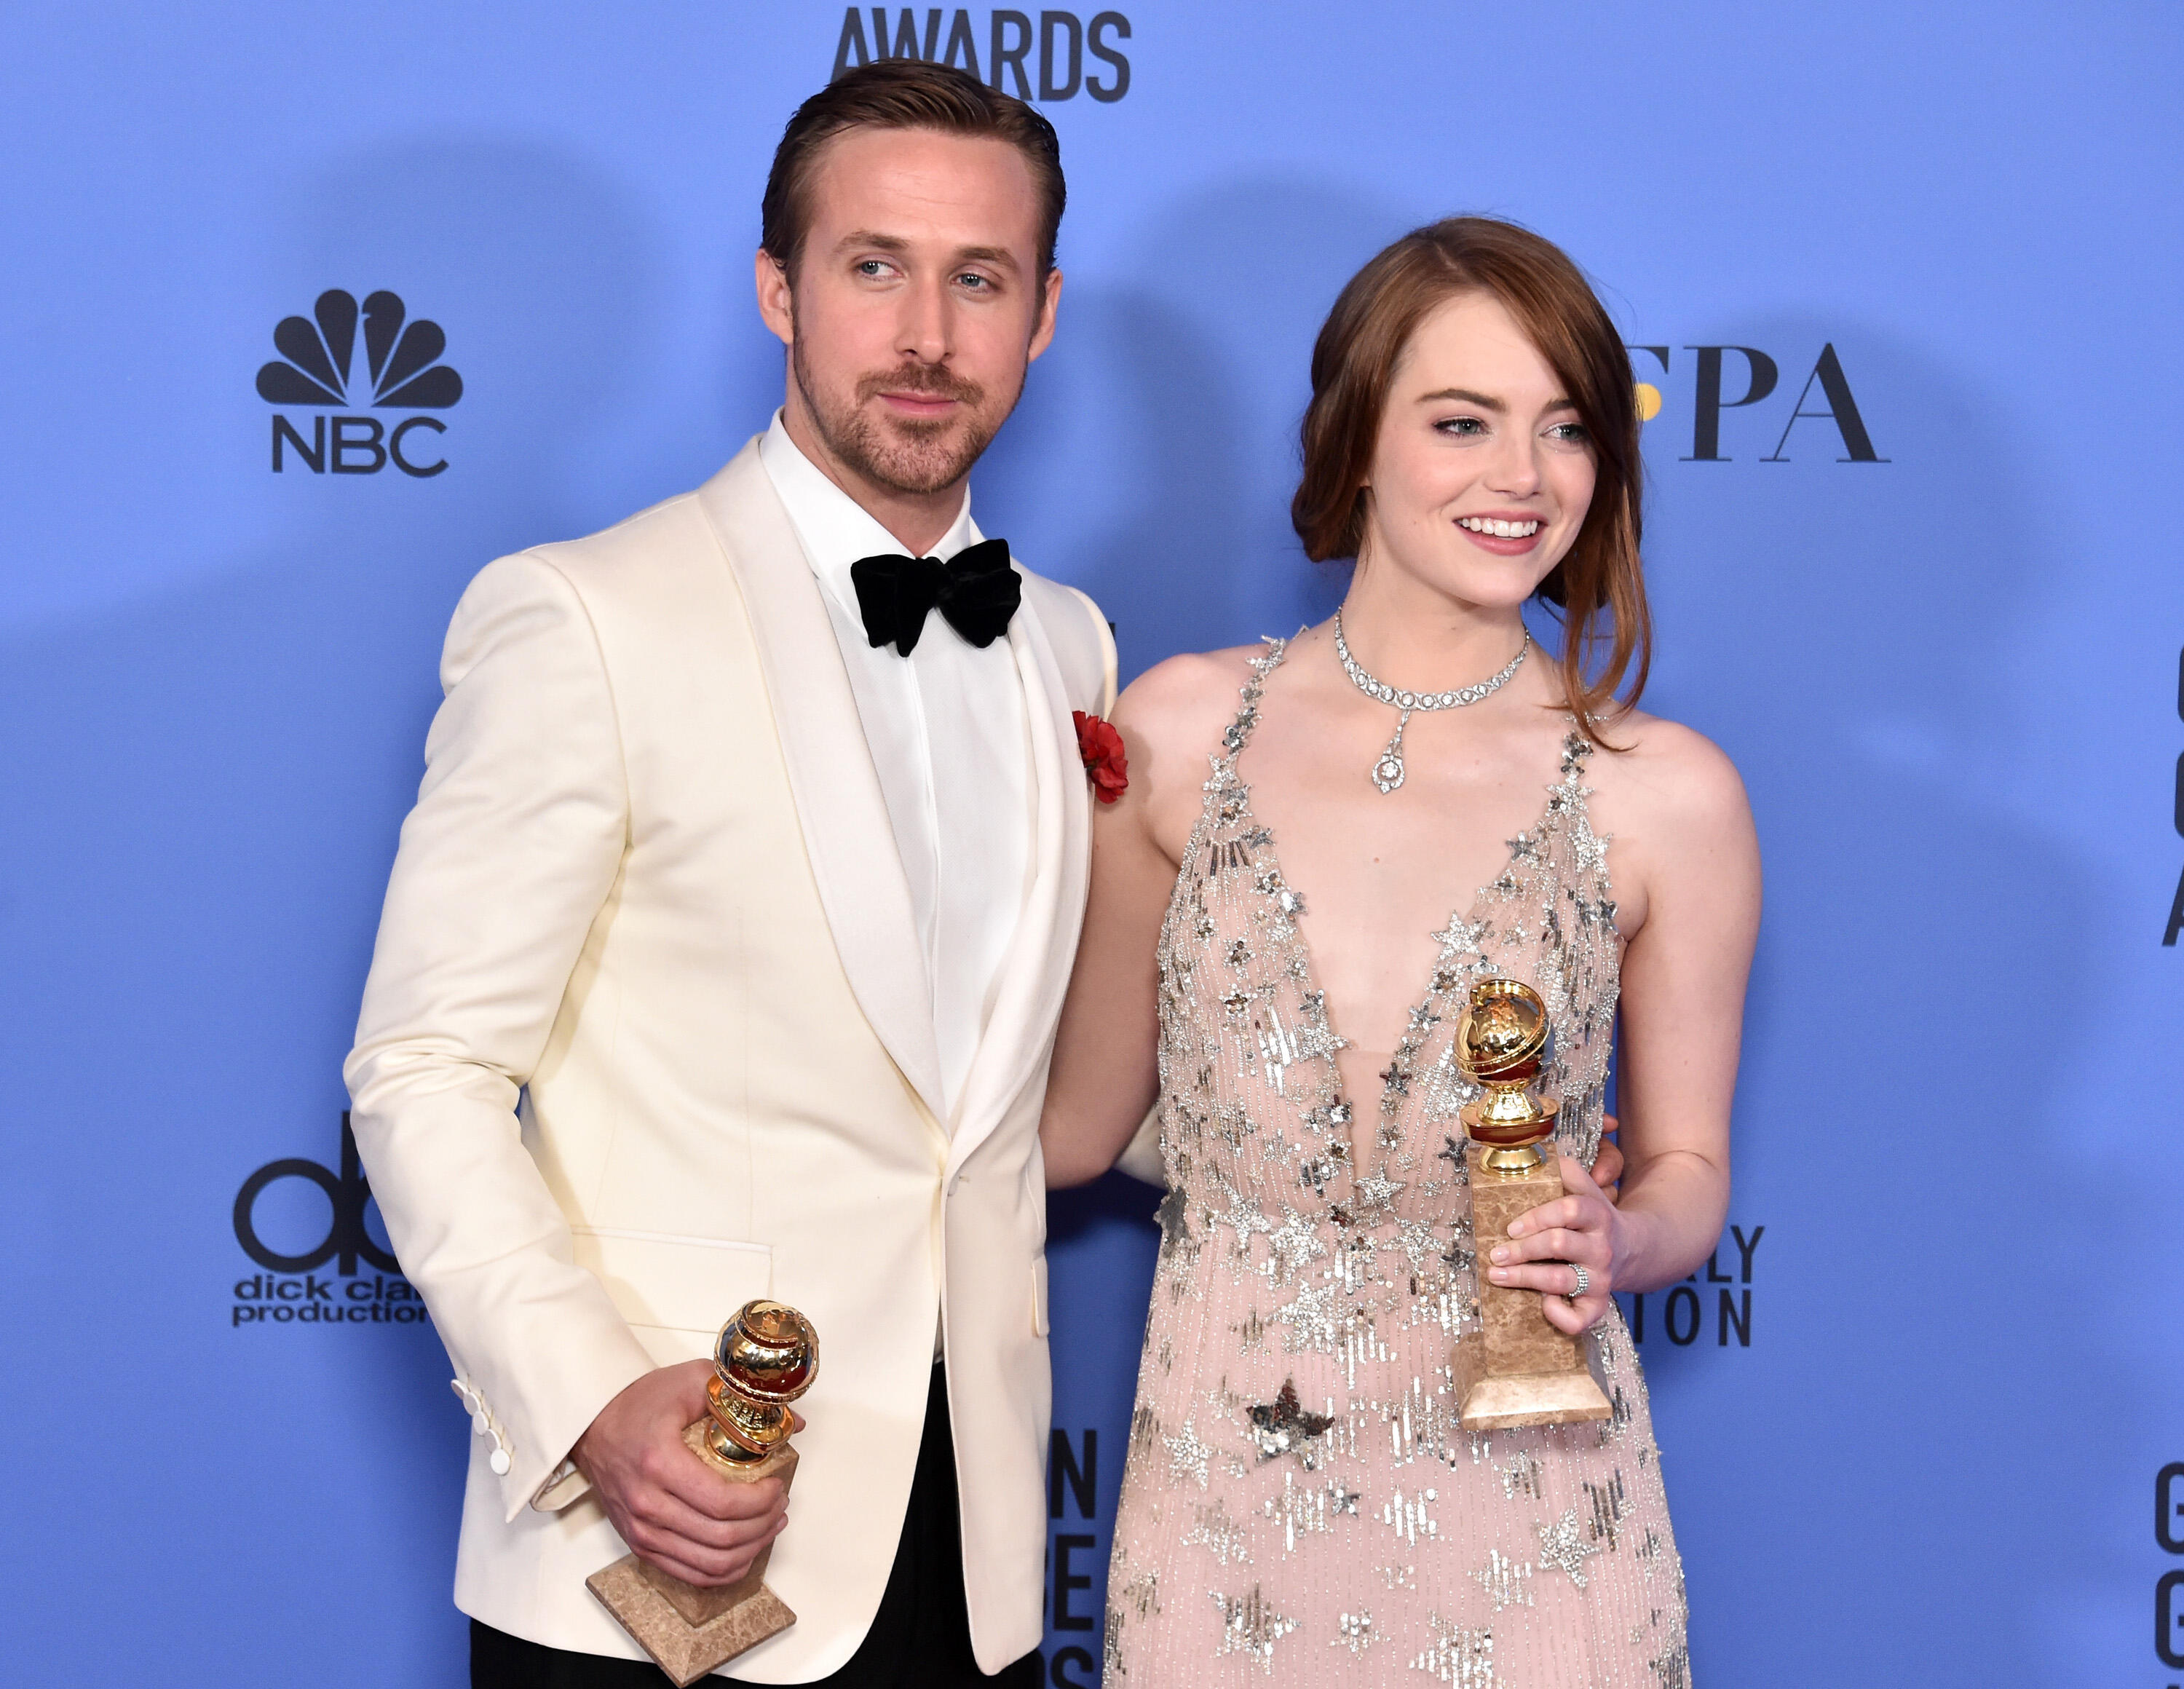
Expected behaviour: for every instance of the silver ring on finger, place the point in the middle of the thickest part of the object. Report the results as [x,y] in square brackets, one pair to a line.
[1583,1283]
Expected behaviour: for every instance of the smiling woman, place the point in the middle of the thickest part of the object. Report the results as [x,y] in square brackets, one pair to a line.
[1271,963]
[1356,363]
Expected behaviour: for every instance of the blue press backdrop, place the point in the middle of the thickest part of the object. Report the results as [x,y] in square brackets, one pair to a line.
[1913,1415]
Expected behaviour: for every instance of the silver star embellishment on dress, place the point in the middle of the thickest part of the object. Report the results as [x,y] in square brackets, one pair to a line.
[1375,1195]
[1561,1545]
[1186,1455]
[1315,1038]
[1283,1426]
[1423,1019]
[1313,1321]
[1293,1243]
[1459,935]
[1242,1218]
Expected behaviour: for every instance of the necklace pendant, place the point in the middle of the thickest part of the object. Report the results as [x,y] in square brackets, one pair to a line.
[1388,772]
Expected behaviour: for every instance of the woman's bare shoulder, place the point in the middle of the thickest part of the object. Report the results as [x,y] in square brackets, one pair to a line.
[1185,701]
[1669,774]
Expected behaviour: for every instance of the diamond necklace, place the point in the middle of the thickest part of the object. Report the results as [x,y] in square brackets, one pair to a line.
[1388,772]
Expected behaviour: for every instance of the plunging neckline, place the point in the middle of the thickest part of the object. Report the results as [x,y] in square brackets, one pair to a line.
[1466,919]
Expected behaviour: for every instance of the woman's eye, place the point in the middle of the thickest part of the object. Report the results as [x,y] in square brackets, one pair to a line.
[1465,427]
[1573,432]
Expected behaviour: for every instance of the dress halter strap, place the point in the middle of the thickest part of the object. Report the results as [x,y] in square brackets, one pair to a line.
[1238,733]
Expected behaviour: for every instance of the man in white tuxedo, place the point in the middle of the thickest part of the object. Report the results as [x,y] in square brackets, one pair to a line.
[723,951]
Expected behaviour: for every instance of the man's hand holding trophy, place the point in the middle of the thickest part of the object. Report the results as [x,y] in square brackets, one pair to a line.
[765,1357]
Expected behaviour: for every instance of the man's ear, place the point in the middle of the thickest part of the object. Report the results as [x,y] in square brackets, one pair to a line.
[1042,331]
[777,304]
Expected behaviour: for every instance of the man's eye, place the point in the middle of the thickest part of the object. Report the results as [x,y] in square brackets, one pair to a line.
[872,266]
[976,283]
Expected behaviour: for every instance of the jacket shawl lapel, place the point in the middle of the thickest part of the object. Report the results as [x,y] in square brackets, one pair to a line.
[1036,971]
[847,834]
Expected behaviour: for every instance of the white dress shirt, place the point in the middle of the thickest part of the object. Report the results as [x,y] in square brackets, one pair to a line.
[950,738]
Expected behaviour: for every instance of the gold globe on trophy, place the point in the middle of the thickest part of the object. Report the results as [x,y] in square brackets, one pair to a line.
[1519,1370]
[765,1357]
[1502,1042]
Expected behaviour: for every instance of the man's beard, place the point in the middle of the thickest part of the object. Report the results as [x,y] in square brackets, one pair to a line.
[905,455]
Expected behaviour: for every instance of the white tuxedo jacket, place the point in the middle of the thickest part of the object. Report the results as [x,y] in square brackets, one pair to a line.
[648,1034]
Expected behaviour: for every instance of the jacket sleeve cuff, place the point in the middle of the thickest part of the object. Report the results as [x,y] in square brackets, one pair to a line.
[563,1485]
[546,1478]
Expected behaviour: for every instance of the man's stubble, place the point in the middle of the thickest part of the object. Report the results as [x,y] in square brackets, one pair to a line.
[904,456]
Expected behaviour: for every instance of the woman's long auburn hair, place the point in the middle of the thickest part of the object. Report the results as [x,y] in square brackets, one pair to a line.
[1353,368]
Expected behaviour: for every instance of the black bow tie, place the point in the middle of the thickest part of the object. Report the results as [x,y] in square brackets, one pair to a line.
[976,589]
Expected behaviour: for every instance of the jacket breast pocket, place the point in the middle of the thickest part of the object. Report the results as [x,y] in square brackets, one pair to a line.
[675,1292]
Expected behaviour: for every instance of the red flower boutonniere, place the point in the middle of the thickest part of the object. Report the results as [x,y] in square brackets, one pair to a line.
[1101,748]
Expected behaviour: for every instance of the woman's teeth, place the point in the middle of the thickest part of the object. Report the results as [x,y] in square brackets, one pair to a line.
[1498,530]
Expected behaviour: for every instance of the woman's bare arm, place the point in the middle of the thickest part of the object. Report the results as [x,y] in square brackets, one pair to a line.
[1695,861]
[1684,976]
[1105,1070]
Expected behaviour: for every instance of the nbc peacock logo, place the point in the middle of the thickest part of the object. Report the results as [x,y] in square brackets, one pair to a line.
[316,368]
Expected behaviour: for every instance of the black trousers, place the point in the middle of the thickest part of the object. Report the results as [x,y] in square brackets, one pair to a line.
[921,1638]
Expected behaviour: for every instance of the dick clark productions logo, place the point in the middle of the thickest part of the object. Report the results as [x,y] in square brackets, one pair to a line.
[291,1291]
[316,369]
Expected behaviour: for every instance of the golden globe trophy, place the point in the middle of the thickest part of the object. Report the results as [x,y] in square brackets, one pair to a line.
[763,1360]
[1521,1371]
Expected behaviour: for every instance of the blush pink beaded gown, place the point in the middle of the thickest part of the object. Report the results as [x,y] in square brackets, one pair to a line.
[1300,1504]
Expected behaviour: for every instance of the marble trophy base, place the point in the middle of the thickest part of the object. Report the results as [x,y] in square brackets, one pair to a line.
[688,1630]
[1520,1371]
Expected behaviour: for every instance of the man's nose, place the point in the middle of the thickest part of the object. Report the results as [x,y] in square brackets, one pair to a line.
[925,331]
